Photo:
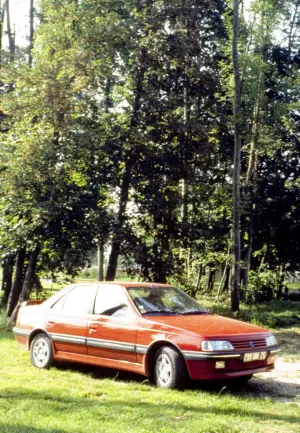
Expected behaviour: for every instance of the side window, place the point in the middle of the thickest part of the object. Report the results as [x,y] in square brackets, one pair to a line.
[59,304]
[79,300]
[111,301]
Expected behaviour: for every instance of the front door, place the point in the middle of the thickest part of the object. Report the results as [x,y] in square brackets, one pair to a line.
[112,326]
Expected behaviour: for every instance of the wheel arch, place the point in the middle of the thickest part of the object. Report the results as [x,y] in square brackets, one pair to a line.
[36,332]
[152,350]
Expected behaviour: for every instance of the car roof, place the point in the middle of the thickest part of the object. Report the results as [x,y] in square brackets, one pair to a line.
[134,284]
[125,284]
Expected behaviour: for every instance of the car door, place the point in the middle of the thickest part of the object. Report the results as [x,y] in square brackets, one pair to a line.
[112,327]
[68,318]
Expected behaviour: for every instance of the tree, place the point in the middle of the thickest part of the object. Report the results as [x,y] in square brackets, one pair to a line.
[236,240]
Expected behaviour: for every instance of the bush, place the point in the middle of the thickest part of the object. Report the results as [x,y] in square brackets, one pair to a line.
[4,323]
[89,273]
[262,285]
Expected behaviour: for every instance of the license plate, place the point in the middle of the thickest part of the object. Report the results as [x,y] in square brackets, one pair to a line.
[255,356]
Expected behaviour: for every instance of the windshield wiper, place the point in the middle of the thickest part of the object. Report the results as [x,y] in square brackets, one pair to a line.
[192,312]
[158,312]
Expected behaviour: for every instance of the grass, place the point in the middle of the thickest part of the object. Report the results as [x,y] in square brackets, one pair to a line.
[70,398]
[85,400]
[294,286]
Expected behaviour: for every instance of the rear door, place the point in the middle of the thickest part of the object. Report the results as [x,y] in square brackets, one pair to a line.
[112,327]
[68,318]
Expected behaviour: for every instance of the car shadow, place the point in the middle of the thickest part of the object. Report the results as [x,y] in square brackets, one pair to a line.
[101,372]
[257,387]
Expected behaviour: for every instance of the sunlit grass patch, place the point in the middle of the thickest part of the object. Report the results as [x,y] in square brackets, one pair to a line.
[70,398]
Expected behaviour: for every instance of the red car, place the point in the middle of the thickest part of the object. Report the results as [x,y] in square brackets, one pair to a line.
[152,329]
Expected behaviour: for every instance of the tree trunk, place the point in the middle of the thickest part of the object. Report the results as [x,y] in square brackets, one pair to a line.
[7,271]
[116,241]
[37,284]
[28,282]
[129,163]
[100,260]
[31,32]
[10,35]
[224,279]
[292,32]
[211,280]
[227,280]
[281,283]
[248,254]
[251,185]
[236,240]
[2,17]
[198,282]
[184,188]
[17,283]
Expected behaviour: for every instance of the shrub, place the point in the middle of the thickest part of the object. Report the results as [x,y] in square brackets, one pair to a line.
[262,285]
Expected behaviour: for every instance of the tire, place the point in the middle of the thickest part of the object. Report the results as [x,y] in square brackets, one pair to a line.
[245,379]
[240,381]
[41,352]
[169,369]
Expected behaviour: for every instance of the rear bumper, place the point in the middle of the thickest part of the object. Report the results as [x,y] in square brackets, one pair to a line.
[208,366]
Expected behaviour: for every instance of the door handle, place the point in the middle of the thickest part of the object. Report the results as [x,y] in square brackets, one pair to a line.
[50,323]
[92,328]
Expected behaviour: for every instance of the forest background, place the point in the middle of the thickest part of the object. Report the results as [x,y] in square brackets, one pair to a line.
[117,129]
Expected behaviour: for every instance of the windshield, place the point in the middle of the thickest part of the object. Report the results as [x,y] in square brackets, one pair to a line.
[164,301]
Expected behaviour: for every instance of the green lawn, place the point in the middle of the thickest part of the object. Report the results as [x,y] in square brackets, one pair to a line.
[294,286]
[80,399]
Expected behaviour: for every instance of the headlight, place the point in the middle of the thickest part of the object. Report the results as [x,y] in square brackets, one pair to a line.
[271,341]
[210,346]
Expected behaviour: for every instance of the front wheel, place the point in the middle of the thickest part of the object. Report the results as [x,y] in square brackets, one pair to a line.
[41,351]
[169,369]
[239,381]
[245,379]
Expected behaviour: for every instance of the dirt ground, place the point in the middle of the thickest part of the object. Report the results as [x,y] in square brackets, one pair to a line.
[283,383]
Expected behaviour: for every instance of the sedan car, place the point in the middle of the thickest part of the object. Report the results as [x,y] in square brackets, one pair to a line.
[152,329]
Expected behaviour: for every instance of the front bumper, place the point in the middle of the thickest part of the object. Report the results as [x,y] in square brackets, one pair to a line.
[203,365]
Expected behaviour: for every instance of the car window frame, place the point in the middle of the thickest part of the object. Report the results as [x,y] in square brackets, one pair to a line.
[130,312]
[75,286]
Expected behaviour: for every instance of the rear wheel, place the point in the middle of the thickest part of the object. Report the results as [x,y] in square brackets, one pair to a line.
[169,369]
[41,351]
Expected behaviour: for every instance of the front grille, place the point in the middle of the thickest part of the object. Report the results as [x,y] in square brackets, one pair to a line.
[251,343]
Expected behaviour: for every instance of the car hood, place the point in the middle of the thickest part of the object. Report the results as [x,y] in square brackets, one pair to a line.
[207,325]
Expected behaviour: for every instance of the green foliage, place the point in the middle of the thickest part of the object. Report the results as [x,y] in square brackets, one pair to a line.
[122,130]
[262,285]
[271,314]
